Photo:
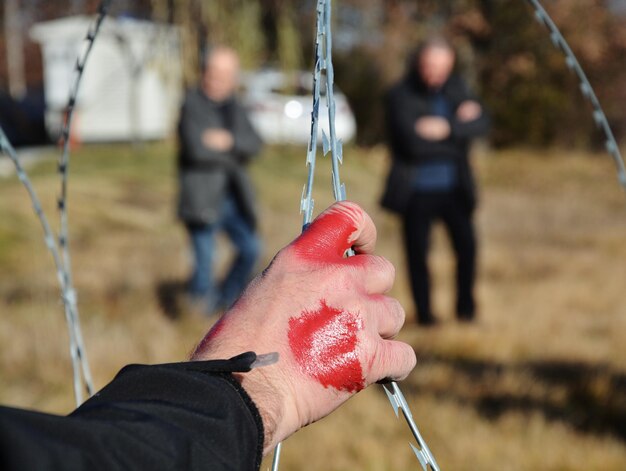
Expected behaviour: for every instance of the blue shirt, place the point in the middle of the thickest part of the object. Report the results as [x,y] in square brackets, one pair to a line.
[437,176]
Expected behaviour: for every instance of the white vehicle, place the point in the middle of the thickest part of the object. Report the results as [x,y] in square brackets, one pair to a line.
[280,106]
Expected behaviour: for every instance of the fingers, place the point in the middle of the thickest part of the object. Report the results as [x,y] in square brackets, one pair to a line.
[393,360]
[340,227]
[363,240]
[390,317]
[377,274]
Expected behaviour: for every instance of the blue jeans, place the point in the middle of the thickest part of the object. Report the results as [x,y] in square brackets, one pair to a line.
[202,284]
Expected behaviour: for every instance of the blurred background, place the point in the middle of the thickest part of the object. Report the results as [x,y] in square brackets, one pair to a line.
[538,382]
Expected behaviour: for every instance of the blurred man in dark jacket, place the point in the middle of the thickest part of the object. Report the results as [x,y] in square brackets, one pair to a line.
[216,142]
[431,118]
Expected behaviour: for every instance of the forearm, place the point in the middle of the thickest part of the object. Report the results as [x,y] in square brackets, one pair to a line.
[471,129]
[246,141]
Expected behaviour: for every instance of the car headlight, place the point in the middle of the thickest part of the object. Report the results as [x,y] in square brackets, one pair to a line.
[293,109]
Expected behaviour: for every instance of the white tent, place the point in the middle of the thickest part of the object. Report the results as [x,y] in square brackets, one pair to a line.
[131,85]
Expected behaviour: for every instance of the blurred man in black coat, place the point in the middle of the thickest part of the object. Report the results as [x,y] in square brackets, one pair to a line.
[431,118]
[216,142]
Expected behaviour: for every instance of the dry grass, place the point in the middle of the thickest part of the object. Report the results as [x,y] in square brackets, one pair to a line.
[538,383]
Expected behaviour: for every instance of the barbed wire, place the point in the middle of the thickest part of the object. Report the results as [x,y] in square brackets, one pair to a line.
[599,117]
[335,146]
[49,238]
[324,62]
[63,168]
[306,201]
[59,249]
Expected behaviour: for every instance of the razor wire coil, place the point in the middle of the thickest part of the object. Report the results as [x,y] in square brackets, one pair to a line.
[59,246]
[599,117]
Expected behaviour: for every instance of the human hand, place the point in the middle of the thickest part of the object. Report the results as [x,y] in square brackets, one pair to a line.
[468,110]
[432,128]
[218,139]
[326,315]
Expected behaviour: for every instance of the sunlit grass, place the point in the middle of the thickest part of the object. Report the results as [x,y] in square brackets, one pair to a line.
[538,383]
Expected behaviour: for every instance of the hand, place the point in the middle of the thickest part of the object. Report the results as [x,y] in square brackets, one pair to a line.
[432,128]
[468,110]
[327,317]
[218,139]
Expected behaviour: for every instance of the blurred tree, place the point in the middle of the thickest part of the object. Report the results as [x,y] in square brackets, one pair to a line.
[531,93]
[236,23]
[508,57]
[289,45]
[15,48]
[502,50]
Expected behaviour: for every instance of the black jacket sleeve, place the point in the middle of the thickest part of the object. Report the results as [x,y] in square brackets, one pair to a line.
[247,143]
[469,129]
[163,417]
[400,119]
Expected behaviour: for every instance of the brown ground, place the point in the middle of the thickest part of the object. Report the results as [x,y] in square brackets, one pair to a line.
[539,382]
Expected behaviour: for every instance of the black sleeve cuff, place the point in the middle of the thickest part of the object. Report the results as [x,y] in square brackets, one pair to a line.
[197,409]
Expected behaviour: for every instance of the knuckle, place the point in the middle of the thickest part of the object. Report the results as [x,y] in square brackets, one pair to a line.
[381,265]
[397,310]
[388,267]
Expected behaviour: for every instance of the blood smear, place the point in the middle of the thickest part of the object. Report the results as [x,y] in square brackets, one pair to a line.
[324,343]
[327,238]
[211,334]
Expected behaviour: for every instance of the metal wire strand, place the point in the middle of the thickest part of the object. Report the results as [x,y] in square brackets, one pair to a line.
[599,117]
[63,168]
[49,239]
[323,62]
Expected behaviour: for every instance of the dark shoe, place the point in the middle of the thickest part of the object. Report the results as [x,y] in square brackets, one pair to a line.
[465,316]
[427,321]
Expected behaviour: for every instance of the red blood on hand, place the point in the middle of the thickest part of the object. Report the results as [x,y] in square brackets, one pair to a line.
[324,344]
[329,236]
[211,334]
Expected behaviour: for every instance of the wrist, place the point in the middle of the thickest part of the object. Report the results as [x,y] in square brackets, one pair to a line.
[275,406]
[268,391]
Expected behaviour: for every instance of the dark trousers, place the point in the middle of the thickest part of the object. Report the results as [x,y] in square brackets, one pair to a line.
[455,213]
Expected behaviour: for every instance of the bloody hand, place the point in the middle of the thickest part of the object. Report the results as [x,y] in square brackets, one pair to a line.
[326,315]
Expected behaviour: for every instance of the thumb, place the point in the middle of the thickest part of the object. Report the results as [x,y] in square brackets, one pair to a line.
[341,226]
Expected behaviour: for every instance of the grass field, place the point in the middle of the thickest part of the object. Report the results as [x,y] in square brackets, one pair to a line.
[539,382]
